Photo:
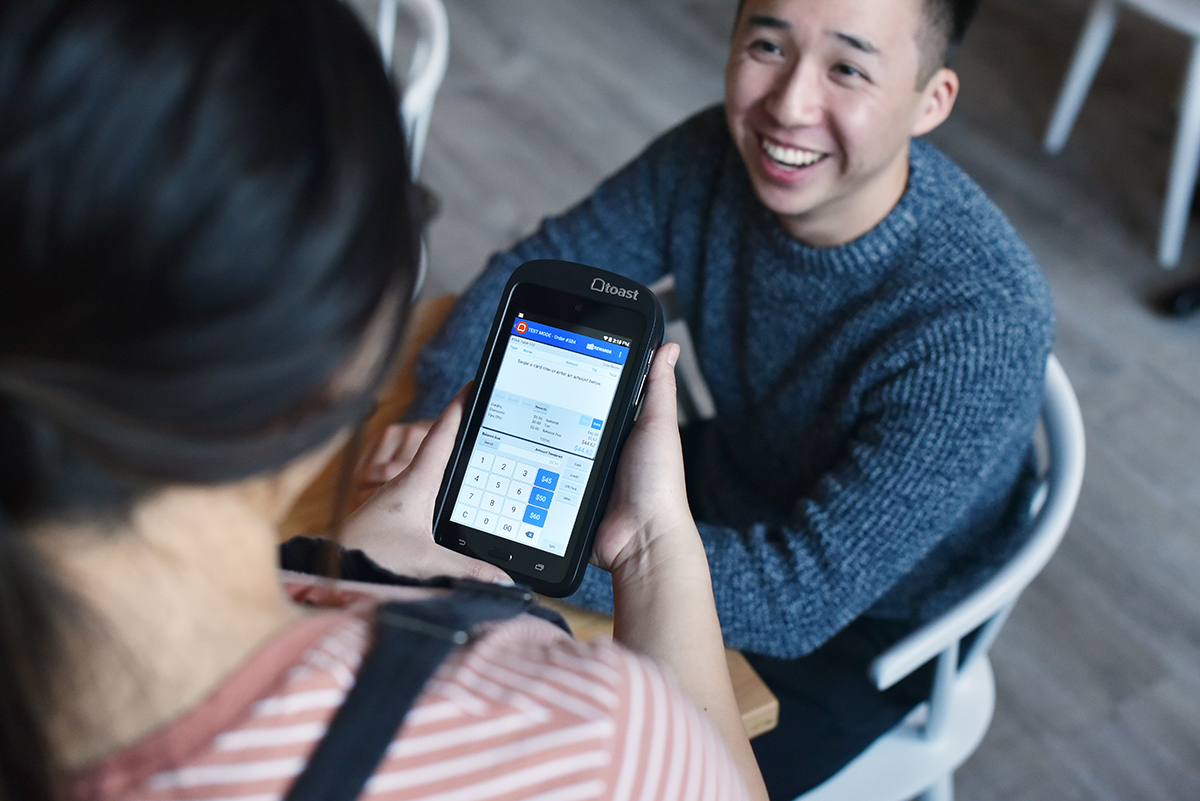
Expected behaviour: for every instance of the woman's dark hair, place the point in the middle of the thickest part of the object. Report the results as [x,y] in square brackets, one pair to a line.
[203,204]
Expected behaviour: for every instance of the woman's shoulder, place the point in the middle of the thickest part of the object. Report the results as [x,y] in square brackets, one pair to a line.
[522,705]
[526,706]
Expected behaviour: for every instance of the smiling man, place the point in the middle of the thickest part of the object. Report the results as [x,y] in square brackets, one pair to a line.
[822,100]
[873,333]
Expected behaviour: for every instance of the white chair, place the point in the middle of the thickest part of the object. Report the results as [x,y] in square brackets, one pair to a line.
[919,756]
[427,68]
[1184,16]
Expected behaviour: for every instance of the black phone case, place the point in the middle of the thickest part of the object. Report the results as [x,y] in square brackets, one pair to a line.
[588,283]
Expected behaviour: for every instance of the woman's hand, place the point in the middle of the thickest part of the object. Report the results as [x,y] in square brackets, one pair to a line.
[662,591]
[648,520]
[389,457]
[394,526]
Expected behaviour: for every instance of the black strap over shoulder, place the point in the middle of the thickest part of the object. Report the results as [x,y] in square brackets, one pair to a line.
[411,640]
[310,555]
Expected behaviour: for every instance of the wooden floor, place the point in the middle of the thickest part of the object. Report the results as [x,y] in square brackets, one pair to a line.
[1099,668]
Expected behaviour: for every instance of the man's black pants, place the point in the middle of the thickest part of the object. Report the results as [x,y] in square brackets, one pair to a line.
[829,709]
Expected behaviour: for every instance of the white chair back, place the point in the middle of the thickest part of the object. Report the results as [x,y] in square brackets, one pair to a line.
[427,68]
[1053,507]
[920,754]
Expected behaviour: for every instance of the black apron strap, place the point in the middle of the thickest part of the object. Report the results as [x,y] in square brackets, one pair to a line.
[411,640]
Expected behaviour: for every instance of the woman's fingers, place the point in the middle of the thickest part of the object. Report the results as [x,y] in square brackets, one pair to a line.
[394,526]
[649,494]
[437,444]
[393,452]
[660,402]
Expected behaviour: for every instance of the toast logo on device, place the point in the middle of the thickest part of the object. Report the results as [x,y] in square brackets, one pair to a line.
[522,328]
[600,285]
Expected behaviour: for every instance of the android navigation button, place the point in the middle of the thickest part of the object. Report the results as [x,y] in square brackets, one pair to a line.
[496,553]
[462,543]
[539,567]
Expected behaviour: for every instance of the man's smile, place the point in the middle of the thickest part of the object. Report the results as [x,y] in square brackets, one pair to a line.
[790,157]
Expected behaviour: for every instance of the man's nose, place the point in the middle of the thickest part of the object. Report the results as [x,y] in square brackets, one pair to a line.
[795,99]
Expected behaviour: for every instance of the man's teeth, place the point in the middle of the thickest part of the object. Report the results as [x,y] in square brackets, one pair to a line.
[791,156]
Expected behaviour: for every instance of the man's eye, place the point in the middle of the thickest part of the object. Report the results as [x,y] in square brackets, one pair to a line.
[763,46]
[848,71]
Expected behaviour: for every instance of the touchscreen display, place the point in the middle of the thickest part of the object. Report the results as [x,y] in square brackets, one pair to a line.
[536,447]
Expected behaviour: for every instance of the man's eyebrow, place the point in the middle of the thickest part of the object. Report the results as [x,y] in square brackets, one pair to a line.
[857,43]
[767,21]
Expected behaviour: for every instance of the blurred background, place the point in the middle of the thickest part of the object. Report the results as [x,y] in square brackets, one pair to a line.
[1098,671]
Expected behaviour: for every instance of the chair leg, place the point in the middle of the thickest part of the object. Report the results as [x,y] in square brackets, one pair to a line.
[1097,33]
[1184,163]
[941,790]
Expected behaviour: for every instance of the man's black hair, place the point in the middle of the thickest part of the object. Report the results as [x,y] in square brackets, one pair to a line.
[946,23]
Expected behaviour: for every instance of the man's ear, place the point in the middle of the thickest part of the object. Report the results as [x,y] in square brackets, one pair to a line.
[937,100]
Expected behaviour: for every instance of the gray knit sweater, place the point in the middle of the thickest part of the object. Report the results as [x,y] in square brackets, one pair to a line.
[875,401]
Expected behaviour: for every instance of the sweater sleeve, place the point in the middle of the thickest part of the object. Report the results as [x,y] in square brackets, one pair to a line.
[620,227]
[943,428]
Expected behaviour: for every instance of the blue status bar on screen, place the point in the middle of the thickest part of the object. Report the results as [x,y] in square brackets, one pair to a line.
[568,340]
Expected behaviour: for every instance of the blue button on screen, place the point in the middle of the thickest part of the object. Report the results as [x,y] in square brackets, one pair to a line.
[535,516]
[541,498]
[545,479]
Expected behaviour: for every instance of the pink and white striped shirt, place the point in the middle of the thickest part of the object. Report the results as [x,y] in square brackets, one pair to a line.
[523,712]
